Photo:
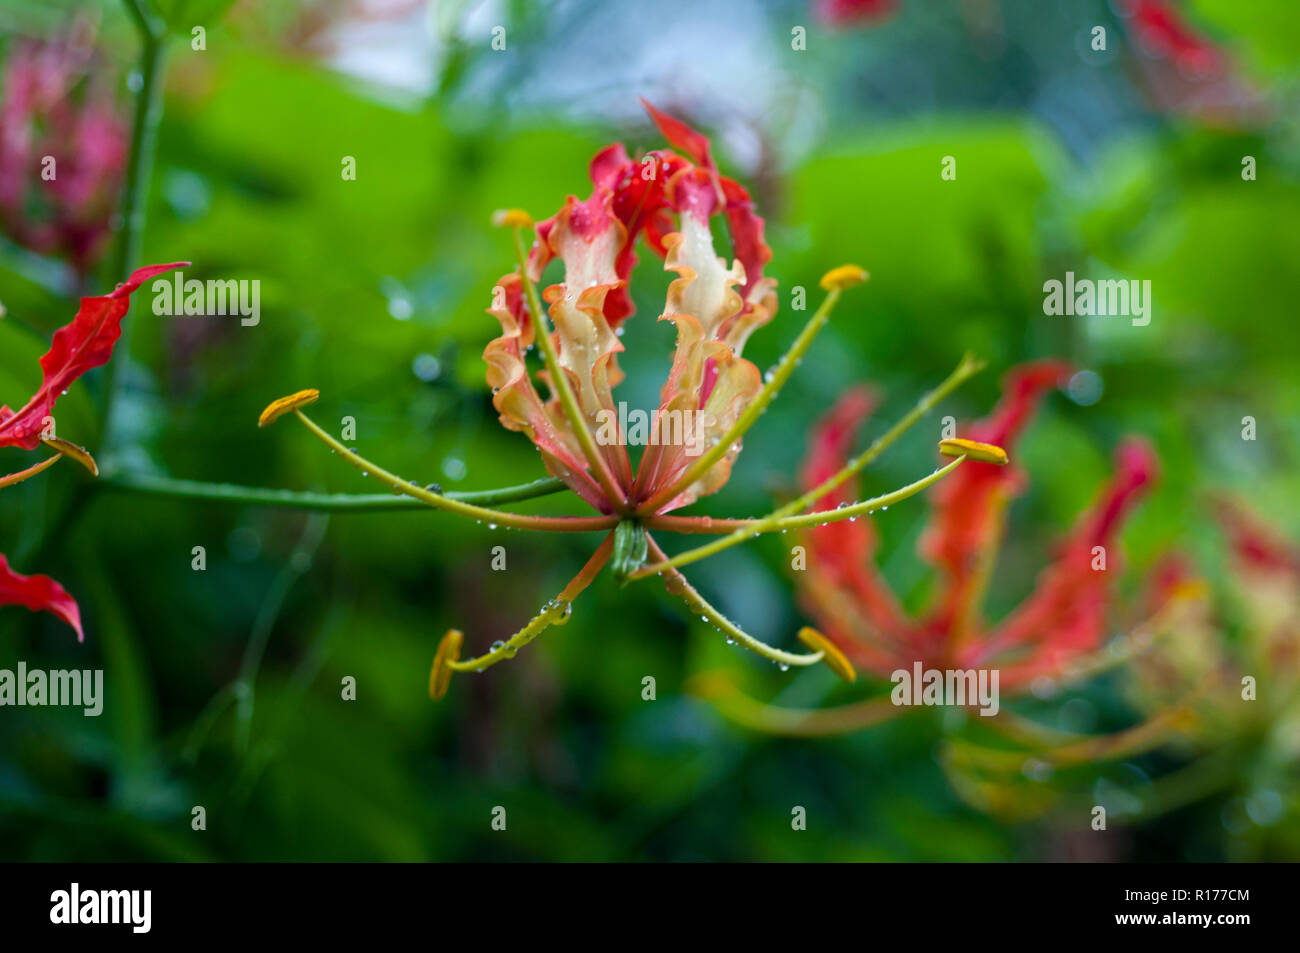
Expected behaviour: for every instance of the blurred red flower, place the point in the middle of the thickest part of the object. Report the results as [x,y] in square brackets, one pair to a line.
[63,148]
[849,12]
[1060,623]
[1162,29]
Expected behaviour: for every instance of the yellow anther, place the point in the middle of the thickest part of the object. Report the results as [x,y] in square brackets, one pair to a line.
[448,652]
[278,408]
[845,276]
[512,218]
[835,660]
[971,450]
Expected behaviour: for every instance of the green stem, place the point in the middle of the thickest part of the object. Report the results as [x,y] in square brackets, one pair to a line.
[328,502]
[139,171]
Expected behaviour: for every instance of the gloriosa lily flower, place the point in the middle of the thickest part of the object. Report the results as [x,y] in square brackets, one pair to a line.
[1056,627]
[670,199]
[1055,635]
[77,347]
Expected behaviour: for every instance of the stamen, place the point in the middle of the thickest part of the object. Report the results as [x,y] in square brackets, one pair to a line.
[572,524]
[845,276]
[282,405]
[771,387]
[780,521]
[555,612]
[862,508]
[448,652]
[836,660]
[512,218]
[966,369]
[677,584]
[982,452]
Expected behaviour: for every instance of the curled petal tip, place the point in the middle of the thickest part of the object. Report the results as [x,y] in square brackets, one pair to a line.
[973,450]
[512,218]
[845,276]
[448,652]
[71,450]
[278,408]
[835,660]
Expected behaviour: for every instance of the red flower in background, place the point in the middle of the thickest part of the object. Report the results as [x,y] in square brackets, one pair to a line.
[1161,28]
[77,347]
[849,12]
[1183,71]
[1055,627]
[63,148]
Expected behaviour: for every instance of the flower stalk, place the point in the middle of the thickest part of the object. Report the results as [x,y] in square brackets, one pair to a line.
[152,34]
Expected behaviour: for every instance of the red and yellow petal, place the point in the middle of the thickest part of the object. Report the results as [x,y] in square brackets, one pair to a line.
[86,342]
[40,594]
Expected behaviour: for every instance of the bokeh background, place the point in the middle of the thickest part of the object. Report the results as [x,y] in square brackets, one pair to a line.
[223,686]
